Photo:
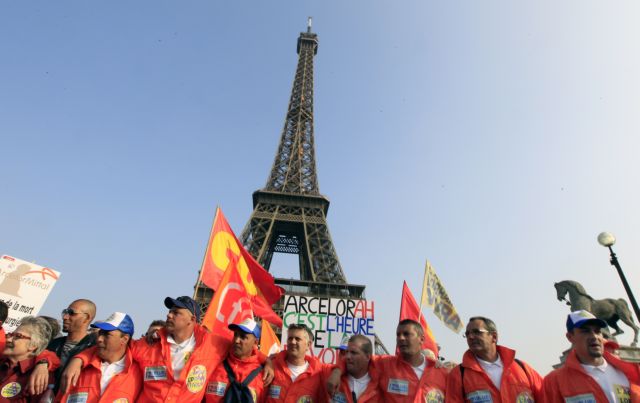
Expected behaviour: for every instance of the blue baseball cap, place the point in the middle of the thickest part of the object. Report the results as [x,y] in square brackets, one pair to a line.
[185,303]
[581,318]
[248,326]
[117,321]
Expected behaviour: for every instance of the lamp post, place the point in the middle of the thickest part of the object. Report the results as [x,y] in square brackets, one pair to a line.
[607,240]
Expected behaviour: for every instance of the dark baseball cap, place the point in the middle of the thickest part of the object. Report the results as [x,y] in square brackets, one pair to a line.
[185,303]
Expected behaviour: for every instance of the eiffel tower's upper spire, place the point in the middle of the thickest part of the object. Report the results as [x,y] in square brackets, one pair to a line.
[294,167]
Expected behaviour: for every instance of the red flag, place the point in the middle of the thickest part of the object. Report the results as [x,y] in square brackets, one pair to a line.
[259,284]
[269,343]
[409,309]
[230,304]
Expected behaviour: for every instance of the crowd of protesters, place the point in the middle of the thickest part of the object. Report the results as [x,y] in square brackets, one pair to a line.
[179,360]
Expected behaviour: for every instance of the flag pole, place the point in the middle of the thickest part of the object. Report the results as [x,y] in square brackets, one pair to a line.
[424,288]
[206,251]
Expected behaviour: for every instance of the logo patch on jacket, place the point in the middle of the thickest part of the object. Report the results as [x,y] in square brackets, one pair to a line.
[80,397]
[434,396]
[196,378]
[622,393]
[585,398]
[121,400]
[305,399]
[398,386]
[525,397]
[480,396]
[274,391]
[155,373]
[339,397]
[216,388]
[11,389]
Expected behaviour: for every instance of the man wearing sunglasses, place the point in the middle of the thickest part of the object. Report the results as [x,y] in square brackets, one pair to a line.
[75,323]
[110,374]
[490,372]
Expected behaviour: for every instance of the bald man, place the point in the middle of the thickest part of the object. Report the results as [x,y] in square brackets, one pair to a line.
[75,323]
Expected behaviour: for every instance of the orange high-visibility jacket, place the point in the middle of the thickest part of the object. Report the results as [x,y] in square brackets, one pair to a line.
[307,387]
[154,360]
[123,387]
[571,381]
[398,381]
[218,382]
[517,384]
[370,395]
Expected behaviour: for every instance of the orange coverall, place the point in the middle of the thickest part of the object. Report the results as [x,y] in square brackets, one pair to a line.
[572,381]
[398,381]
[516,385]
[307,387]
[370,395]
[219,381]
[154,360]
[123,387]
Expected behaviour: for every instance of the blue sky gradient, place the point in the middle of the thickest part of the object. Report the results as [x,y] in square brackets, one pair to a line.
[496,139]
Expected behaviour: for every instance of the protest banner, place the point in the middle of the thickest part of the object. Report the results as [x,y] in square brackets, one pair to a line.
[435,297]
[24,287]
[331,320]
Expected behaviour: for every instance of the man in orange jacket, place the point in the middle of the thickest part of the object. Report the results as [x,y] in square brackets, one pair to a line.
[490,372]
[360,381]
[297,376]
[410,376]
[110,374]
[243,365]
[590,374]
[176,367]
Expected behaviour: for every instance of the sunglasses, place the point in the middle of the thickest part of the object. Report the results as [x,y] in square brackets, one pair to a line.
[72,312]
[475,333]
[18,336]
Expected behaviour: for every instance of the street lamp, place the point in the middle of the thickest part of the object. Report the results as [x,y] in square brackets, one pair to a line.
[607,240]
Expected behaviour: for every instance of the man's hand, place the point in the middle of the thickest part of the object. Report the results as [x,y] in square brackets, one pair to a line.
[333,382]
[268,373]
[71,374]
[38,380]
[152,337]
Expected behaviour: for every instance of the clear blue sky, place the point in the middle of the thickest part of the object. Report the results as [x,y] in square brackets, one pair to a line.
[496,139]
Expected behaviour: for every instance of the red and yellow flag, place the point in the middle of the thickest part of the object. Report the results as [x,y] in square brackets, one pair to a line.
[230,304]
[223,251]
[409,309]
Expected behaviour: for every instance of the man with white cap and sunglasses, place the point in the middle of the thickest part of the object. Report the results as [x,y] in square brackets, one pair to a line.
[238,378]
[590,374]
[110,374]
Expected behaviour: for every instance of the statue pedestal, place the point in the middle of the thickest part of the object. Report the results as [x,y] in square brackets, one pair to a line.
[626,353]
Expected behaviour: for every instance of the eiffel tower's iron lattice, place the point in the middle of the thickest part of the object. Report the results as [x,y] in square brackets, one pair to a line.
[289,213]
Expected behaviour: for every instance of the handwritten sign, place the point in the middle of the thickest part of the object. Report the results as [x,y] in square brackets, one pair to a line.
[24,287]
[331,320]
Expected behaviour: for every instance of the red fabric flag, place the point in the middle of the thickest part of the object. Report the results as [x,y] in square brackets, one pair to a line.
[409,309]
[230,304]
[269,343]
[224,247]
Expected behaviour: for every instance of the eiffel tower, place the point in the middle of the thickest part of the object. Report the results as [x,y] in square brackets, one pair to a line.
[289,213]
